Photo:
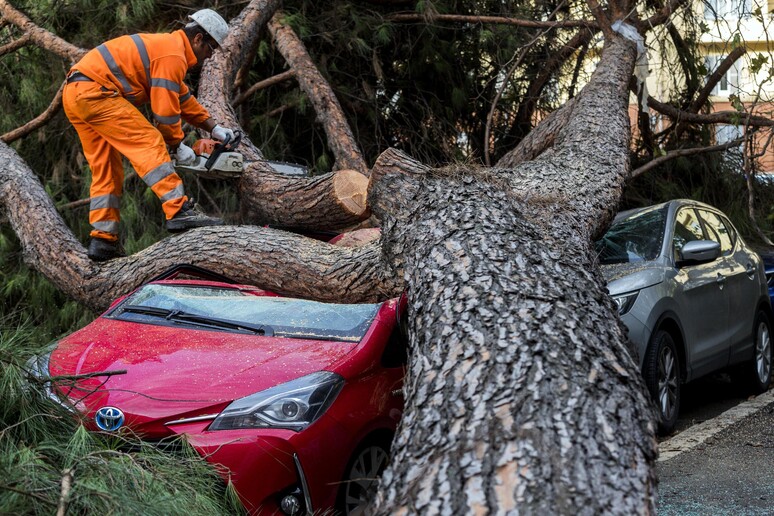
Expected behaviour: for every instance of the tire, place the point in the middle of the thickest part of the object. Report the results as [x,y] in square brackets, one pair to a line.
[361,477]
[661,371]
[755,374]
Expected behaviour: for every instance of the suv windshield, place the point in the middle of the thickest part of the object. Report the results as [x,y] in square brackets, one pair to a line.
[227,309]
[636,238]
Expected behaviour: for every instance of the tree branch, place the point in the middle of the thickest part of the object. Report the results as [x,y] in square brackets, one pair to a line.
[28,493]
[38,121]
[719,117]
[524,115]
[64,494]
[341,140]
[682,153]
[271,81]
[22,41]
[718,74]
[40,36]
[663,15]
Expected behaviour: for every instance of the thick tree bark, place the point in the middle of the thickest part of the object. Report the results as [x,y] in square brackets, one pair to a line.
[276,260]
[521,394]
[540,138]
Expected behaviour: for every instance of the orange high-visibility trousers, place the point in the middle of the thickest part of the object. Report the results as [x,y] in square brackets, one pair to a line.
[109,126]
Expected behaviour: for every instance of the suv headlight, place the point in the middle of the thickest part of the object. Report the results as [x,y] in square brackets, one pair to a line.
[624,302]
[293,405]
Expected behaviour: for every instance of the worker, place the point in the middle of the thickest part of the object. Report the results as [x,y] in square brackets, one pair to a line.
[101,97]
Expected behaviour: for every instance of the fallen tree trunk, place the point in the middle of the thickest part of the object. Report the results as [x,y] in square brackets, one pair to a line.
[521,394]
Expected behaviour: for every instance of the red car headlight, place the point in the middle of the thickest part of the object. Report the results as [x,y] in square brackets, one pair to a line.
[293,405]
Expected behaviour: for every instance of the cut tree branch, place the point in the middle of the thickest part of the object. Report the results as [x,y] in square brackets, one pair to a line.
[267,197]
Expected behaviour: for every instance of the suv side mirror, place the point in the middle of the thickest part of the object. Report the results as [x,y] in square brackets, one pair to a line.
[698,251]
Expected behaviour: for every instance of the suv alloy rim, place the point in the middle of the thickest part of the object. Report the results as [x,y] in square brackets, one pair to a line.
[763,352]
[667,383]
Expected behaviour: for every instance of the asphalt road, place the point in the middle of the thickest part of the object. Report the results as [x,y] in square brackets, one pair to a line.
[722,461]
[706,398]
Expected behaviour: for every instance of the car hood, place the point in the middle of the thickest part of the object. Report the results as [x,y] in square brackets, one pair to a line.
[172,372]
[628,277]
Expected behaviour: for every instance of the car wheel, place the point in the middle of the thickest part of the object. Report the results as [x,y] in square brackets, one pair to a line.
[361,478]
[661,371]
[757,372]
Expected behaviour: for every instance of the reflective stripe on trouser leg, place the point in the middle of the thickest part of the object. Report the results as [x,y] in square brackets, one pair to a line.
[107,168]
[104,215]
[168,186]
[119,123]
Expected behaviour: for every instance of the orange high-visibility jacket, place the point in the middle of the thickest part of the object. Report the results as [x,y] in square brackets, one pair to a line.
[144,67]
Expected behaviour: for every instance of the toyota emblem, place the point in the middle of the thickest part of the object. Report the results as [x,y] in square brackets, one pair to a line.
[109,419]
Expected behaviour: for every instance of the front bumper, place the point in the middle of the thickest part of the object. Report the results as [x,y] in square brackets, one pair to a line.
[264,465]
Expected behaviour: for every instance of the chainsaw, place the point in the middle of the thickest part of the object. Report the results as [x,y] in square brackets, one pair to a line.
[216,160]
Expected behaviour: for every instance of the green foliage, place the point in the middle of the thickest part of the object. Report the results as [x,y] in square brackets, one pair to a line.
[42,444]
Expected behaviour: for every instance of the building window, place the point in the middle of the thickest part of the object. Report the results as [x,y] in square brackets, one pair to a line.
[723,9]
[729,83]
[725,133]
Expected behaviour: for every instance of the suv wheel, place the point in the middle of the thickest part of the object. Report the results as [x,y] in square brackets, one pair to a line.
[756,373]
[661,371]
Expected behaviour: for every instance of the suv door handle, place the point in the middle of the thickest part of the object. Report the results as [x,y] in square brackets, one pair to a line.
[750,270]
[721,280]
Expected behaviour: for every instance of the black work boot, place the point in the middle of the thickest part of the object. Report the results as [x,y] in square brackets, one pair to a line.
[101,250]
[191,216]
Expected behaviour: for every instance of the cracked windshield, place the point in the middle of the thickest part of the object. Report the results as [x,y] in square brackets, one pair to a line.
[281,317]
[634,239]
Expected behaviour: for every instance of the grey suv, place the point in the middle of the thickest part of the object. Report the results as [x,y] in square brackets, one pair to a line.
[693,296]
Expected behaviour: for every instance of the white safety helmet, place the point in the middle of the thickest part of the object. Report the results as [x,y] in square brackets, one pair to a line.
[211,22]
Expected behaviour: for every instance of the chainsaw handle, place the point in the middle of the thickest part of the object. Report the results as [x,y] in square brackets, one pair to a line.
[227,145]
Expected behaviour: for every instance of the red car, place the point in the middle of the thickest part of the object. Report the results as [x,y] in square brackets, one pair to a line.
[296,401]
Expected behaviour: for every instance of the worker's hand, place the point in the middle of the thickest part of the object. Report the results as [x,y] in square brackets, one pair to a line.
[184,155]
[222,133]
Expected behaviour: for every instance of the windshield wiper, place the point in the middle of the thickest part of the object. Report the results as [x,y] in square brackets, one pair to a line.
[199,320]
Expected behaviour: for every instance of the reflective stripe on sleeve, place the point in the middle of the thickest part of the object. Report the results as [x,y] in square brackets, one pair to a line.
[105,201]
[158,173]
[167,120]
[166,84]
[185,97]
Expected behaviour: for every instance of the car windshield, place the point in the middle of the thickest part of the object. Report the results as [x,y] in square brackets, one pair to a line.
[228,309]
[636,238]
